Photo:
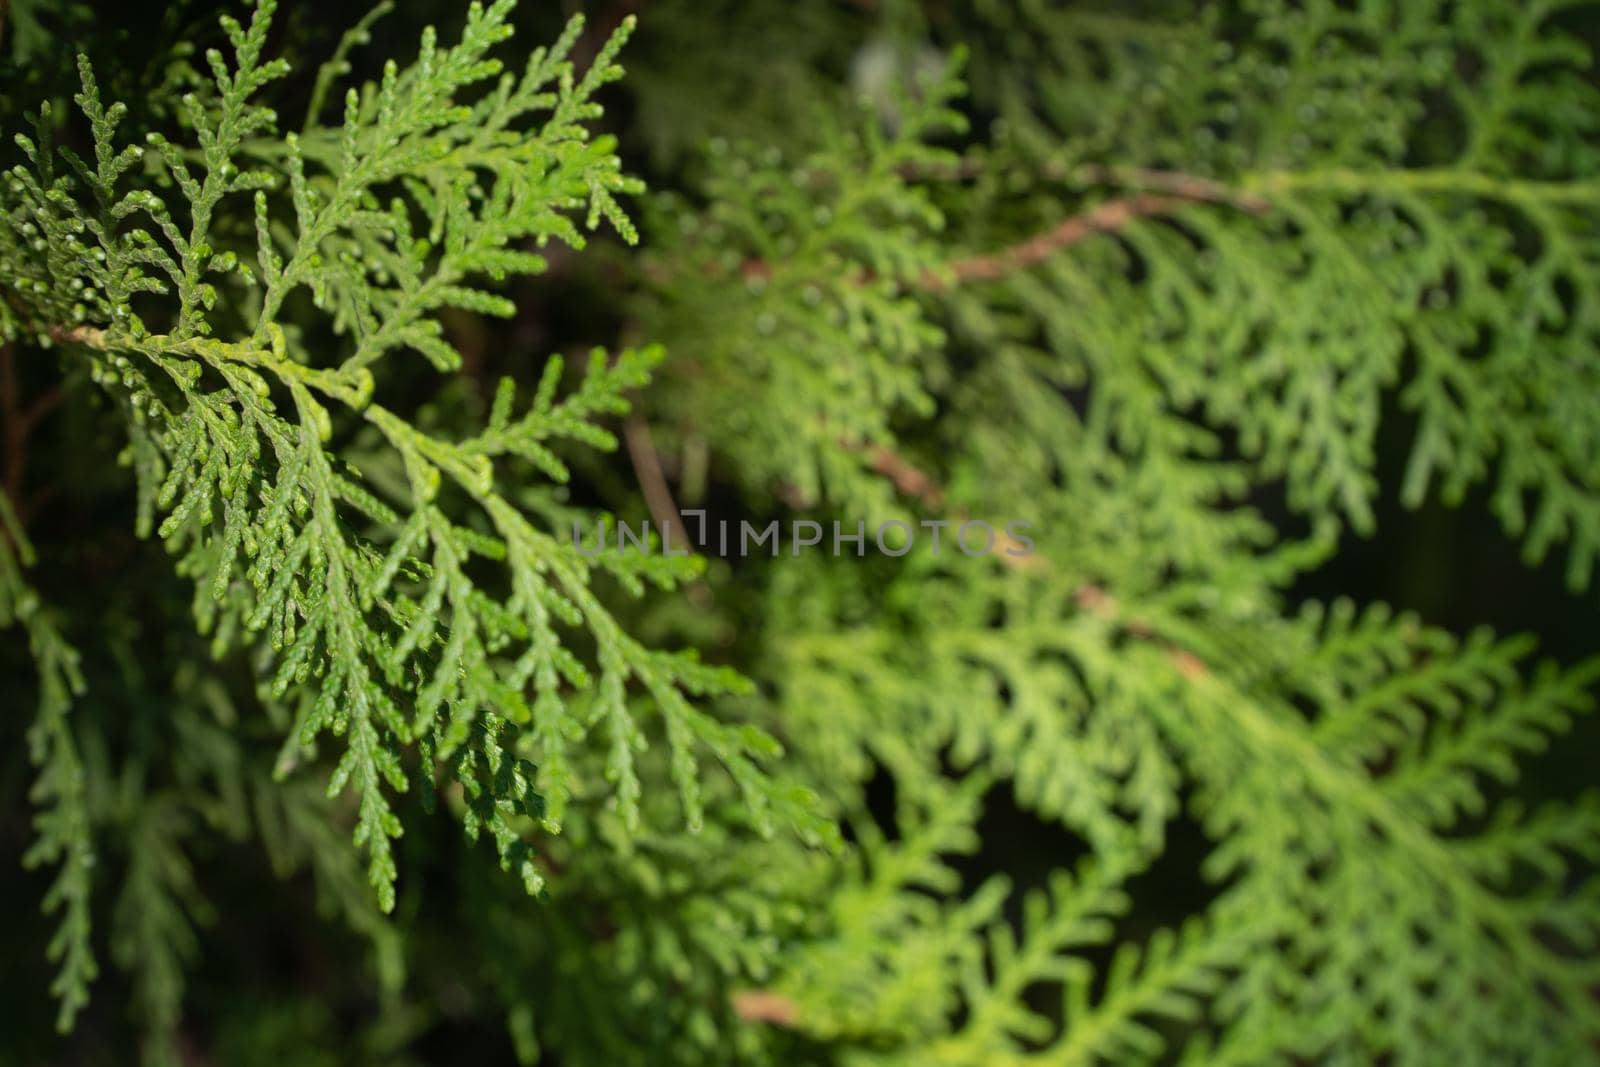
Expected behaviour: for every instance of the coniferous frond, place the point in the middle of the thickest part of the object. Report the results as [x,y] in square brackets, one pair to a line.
[1360,820]
[1307,217]
[367,598]
[157,909]
[297,828]
[804,263]
[62,824]
[880,971]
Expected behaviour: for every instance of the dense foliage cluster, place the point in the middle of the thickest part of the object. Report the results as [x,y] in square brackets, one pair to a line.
[370,327]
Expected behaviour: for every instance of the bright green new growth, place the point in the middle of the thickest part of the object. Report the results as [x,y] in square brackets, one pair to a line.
[354,582]
[1192,256]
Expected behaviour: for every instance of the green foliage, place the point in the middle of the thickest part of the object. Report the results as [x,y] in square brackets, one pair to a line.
[1197,291]
[353,602]
[1376,207]
[63,826]
[807,262]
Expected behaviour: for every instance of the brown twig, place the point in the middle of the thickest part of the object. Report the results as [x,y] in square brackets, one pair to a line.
[92,336]
[1102,218]
[1097,602]
[764,1006]
[1163,193]
[908,479]
[913,482]
[653,479]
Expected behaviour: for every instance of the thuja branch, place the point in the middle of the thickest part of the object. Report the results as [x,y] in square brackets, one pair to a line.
[912,481]
[1107,217]
[1168,193]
